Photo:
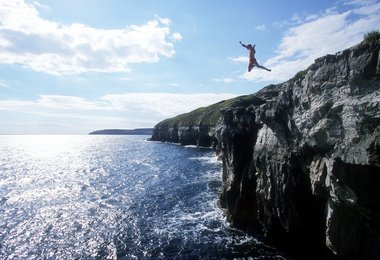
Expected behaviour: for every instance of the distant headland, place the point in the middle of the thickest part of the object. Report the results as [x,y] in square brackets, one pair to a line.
[137,131]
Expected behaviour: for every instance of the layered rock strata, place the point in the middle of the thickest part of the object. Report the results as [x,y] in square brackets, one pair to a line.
[301,159]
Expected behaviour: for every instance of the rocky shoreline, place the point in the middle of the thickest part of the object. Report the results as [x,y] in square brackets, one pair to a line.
[301,159]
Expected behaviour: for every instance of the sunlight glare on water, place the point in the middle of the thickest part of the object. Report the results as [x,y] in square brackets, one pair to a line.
[87,197]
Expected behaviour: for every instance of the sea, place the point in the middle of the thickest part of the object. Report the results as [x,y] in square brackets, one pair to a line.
[115,197]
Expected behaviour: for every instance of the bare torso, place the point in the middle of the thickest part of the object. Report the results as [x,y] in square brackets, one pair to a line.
[251,53]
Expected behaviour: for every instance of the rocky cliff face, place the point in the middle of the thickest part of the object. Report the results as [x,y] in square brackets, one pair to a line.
[301,160]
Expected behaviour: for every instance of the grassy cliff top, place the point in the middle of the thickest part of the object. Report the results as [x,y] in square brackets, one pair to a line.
[210,115]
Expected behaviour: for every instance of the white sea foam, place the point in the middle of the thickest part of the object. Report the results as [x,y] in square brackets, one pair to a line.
[110,197]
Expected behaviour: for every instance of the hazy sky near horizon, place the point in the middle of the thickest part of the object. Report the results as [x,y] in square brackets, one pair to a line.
[74,66]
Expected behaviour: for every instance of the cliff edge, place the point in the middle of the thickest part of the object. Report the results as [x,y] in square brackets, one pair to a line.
[301,159]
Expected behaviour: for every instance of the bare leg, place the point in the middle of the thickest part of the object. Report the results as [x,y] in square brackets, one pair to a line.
[250,66]
[262,67]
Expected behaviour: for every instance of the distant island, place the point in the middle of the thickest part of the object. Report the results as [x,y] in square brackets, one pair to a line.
[138,131]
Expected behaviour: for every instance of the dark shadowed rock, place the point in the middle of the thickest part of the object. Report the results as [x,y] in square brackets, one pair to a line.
[301,159]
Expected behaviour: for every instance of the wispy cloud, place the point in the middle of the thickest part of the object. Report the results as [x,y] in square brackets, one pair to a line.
[359,2]
[52,102]
[304,17]
[129,104]
[176,36]
[47,46]
[239,59]
[52,114]
[225,80]
[260,27]
[3,84]
[314,36]
[174,103]
[39,5]
[165,21]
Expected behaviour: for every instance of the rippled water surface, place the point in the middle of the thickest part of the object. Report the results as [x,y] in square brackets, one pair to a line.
[113,197]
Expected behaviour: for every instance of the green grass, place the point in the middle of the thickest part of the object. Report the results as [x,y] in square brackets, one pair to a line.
[372,36]
[299,75]
[211,114]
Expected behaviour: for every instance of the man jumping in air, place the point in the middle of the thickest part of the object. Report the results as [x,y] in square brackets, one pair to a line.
[252,60]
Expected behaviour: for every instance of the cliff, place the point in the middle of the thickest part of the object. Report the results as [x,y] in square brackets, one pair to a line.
[301,159]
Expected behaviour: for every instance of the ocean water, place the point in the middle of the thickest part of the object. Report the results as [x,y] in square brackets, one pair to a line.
[114,197]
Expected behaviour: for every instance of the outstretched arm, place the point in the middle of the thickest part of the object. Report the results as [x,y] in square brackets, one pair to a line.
[242,44]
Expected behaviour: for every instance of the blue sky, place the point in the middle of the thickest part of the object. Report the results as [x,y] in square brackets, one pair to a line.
[74,66]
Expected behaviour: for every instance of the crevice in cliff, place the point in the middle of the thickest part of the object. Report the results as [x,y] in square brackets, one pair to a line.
[307,216]
[369,71]
[238,198]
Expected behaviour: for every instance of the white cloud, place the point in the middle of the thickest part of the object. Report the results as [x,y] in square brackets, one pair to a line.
[51,102]
[47,46]
[239,59]
[176,37]
[129,104]
[225,80]
[359,2]
[52,114]
[38,4]
[165,104]
[313,38]
[368,9]
[260,27]
[164,21]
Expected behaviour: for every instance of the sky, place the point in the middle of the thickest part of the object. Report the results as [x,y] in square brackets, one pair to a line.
[75,66]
